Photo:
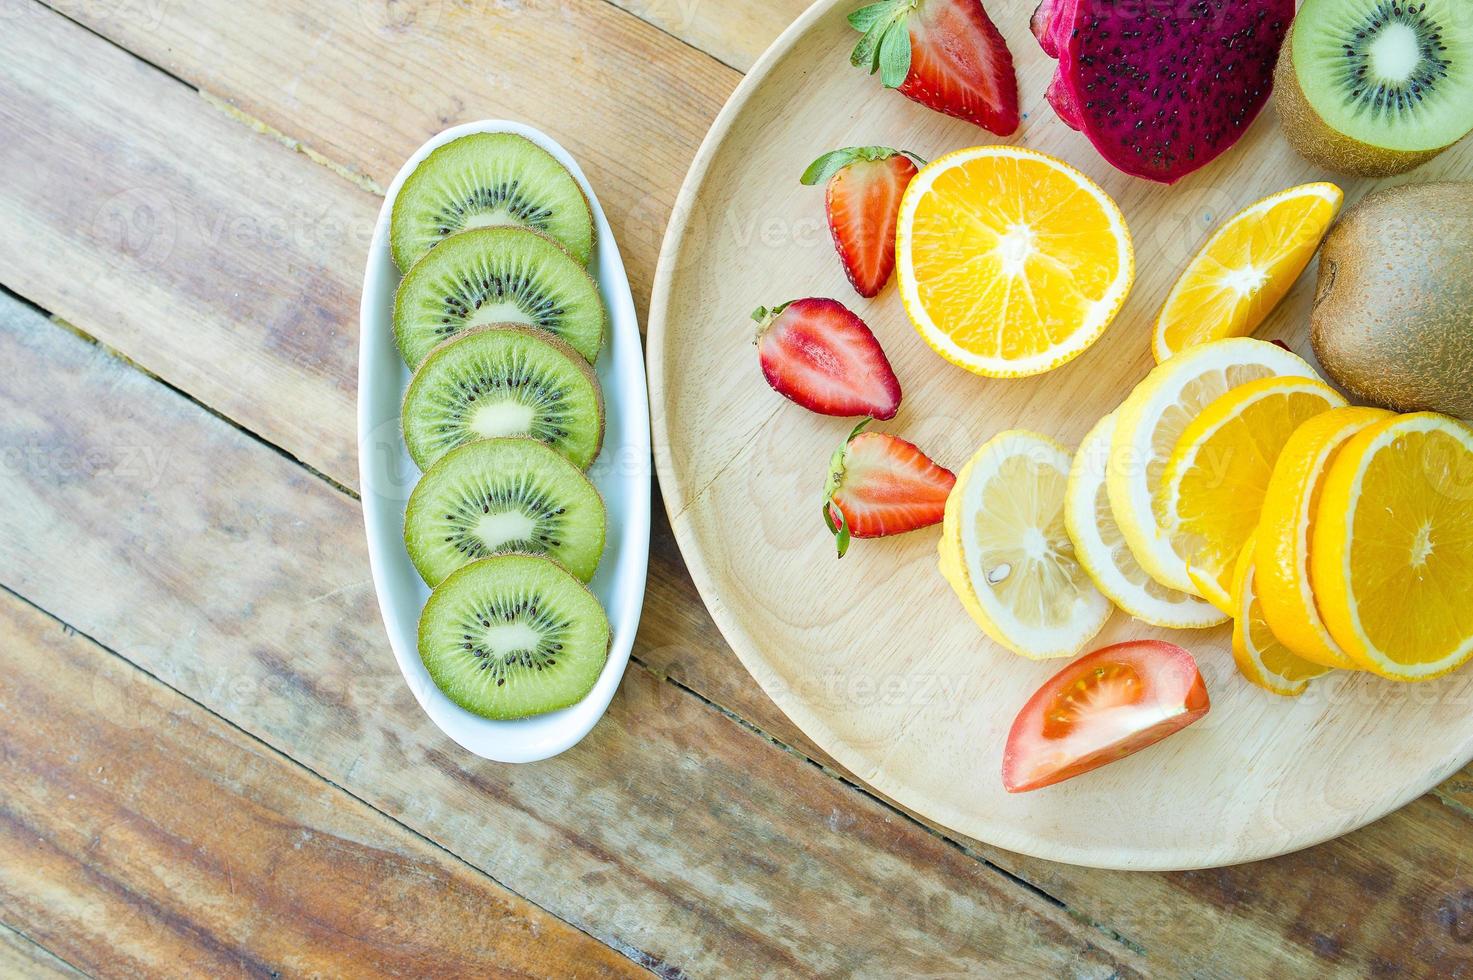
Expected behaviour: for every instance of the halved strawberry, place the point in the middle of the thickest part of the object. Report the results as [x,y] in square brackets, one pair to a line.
[879,485]
[944,54]
[862,201]
[820,355]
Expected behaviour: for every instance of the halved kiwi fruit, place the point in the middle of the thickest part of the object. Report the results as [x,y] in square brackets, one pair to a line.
[497,275]
[503,495]
[512,636]
[503,381]
[487,179]
[1376,87]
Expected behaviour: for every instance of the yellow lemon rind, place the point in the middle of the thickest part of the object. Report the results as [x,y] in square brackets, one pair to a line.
[1131,496]
[1086,479]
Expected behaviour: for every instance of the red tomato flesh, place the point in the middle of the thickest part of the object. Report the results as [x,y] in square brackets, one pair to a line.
[1101,708]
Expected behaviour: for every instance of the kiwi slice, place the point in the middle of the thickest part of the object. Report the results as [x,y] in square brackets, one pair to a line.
[489,179]
[512,636]
[497,275]
[503,381]
[1376,87]
[503,495]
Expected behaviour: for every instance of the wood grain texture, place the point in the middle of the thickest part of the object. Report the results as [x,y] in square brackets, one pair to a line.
[1262,917]
[21,957]
[671,832]
[923,717]
[142,835]
[365,82]
[735,34]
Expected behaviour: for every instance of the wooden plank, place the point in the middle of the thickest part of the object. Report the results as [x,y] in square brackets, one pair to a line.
[629,101]
[735,34]
[237,577]
[677,636]
[21,957]
[140,834]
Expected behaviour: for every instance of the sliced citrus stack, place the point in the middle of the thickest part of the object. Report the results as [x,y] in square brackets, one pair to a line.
[1212,491]
[1260,656]
[1101,548]
[1286,527]
[1392,554]
[1006,552]
[1010,262]
[1246,268]
[1151,421]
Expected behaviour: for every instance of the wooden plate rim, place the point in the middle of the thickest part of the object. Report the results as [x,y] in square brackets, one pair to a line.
[1118,855]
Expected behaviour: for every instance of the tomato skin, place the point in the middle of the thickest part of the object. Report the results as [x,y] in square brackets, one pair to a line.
[1103,707]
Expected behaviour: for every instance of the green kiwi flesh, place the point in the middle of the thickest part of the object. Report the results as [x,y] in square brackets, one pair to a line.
[497,275]
[487,179]
[512,636]
[503,495]
[1376,87]
[503,381]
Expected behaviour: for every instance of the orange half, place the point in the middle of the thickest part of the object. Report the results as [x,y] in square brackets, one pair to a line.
[1010,261]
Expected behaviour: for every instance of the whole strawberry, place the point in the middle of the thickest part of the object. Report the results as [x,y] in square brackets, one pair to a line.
[817,353]
[879,485]
[862,201]
[944,54]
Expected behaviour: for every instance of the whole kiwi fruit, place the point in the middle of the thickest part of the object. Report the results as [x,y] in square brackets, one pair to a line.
[1393,311]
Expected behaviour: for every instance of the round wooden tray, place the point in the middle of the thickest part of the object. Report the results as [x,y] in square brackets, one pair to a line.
[872,656]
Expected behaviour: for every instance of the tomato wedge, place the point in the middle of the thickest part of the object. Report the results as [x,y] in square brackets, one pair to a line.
[1101,708]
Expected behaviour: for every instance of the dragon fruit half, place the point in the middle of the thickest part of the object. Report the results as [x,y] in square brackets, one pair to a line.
[1161,87]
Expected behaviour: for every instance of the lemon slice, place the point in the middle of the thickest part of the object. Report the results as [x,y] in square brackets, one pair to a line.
[1010,262]
[1101,549]
[1151,421]
[1213,489]
[1007,554]
[1257,651]
[1392,555]
[1246,268]
[1286,526]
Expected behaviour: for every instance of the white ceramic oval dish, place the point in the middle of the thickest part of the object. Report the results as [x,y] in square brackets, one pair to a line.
[622,474]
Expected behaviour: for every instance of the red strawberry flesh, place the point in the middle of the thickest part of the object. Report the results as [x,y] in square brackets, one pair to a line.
[818,354]
[863,203]
[960,65]
[880,484]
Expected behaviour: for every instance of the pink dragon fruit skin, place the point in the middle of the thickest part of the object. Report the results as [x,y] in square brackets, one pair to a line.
[1161,87]
[1051,23]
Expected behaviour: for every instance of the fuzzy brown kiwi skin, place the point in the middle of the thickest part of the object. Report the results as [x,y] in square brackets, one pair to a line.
[1393,312]
[535,333]
[1324,146]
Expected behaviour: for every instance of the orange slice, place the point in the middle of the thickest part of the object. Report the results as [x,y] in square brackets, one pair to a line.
[1010,262]
[1257,651]
[1246,268]
[1392,555]
[1218,473]
[1286,527]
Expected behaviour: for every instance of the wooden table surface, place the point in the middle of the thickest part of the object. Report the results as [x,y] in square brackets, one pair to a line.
[210,764]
